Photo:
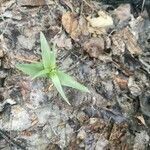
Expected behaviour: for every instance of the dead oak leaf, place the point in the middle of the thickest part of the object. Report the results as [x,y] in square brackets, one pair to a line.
[74,25]
[131,42]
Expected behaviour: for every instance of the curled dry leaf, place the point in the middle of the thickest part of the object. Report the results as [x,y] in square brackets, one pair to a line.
[95,46]
[73,25]
[131,42]
[141,120]
[125,39]
[104,20]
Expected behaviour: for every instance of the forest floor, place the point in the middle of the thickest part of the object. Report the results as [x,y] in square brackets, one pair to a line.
[104,47]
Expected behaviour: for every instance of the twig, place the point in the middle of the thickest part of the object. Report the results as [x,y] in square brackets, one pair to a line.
[23,59]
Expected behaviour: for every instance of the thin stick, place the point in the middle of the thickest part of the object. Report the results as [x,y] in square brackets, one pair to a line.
[23,59]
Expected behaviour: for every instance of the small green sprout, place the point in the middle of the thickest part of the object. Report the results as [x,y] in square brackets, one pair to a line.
[47,68]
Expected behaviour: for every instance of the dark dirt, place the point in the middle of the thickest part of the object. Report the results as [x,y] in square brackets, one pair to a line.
[105,46]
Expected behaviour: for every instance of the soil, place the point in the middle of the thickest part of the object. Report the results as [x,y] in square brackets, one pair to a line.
[103,45]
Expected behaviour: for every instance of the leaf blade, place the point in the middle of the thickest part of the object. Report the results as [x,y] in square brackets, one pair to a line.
[30,69]
[41,73]
[67,80]
[59,88]
[46,52]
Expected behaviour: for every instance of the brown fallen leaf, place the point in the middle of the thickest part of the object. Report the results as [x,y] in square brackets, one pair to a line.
[96,31]
[125,39]
[26,133]
[74,25]
[123,83]
[94,46]
[131,42]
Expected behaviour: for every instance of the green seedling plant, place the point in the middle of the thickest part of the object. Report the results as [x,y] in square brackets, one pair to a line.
[47,68]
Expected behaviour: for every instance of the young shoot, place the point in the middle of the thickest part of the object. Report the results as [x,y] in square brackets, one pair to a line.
[47,68]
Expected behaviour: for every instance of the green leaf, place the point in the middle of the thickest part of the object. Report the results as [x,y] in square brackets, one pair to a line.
[30,69]
[41,73]
[67,80]
[58,86]
[48,56]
